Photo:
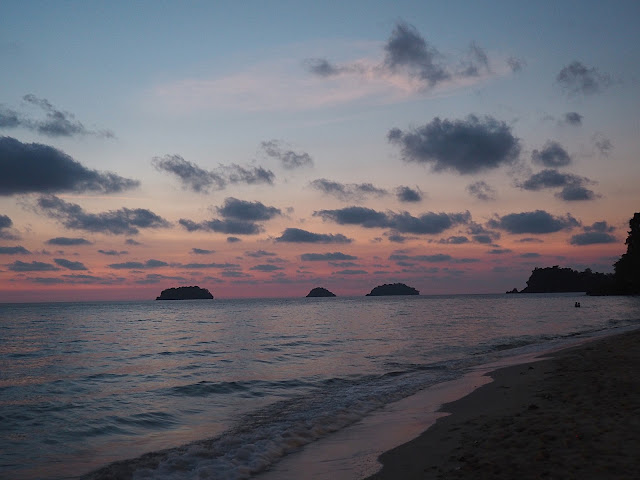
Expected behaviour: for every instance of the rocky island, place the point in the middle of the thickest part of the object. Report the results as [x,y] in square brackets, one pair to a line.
[320,292]
[392,289]
[185,293]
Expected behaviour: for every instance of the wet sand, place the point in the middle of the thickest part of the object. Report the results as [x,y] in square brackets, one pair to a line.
[573,415]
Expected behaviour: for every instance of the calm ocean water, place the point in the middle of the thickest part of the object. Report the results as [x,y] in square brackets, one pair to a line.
[225,388]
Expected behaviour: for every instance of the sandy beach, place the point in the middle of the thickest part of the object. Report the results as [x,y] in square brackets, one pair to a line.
[573,415]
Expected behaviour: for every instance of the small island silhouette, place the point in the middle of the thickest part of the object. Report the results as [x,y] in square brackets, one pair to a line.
[320,292]
[392,289]
[185,293]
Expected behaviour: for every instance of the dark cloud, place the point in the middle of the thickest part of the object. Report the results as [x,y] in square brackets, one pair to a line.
[297,235]
[592,238]
[573,186]
[113,253]
[480,234]
[199,180]
[131,241]
[573,118]
[67,241]
[454,240]
[138,265]
[397,238]
[516,64]
[320,257]
[530,255]
[266,268]
[481,190]
[601,226]
[576,193]
[289,159]
[201,251]
[57,123]
[408,194]
[17,250]
[152,278]
[538,221]
[34,266]
[233,239]
[347,191]
[403,222]
[464,146]
[350,272]
[249,211]
[228,226]
[499,251]
[69,265]
[6,225]
[551,155]
[115,222]
[197,266]
[436,258]
[578,78]
[321,67]
[33,167]
[407,50]
[530,240]
[260,254]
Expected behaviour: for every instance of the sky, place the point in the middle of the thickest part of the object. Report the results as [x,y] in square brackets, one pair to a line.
[260,149]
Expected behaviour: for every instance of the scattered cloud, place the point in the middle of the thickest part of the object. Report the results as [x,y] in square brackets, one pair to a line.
[551,155]
[403,222]
[577,78]
[266,268]
[320,257]
[602,144]
[244,210]
[69,265]
[37,168]
[201,251]
[233,239]
[347,191]
[199,180]
[138,265]
[297,235]
[56,123]
[68,241]
[349,271]
[115,222]
[573,186]
[482,191]
[538,221]
[573,118]
[17,250]
[6,226]
[34,266]
[454,240]
[408,194]
[131,241]
[530,255]
[194,266]
[516,64]
[113,253]
[596,233]
[288,158]
[260,254]
[228,226]
[576,193]
[463,146]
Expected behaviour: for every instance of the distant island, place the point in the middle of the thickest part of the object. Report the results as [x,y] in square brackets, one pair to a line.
[185,293]
[320,292]
[392,289]
[624,281]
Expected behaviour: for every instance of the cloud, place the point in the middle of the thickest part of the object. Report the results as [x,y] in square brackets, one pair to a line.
[347,191]
[34,266]
[602,144]
[67,241]
[260,254]
[266,268]
[152,278]
[577,78]
[482,191]
[244,210]
[403,259]
[538,221]
[551,155]
[321,257]
[233,239]
[403,222]
[289,159]
[407,50]
[592,238]
[199,180]
[115,222]
[322,67]
[69,265]
[576,193]
[201,251]
[17,250]
[6,225]
[530,255]
[573,118]
[480,234]
[454,240]
[516,64]
[36,168]
[601,227]
[138,265]
[499,251]
[193,266]
[573,186]
[57,123]
[113,253]
[463,146]
[239,218]
[131,241]
[349,271]
[408,195]
[297,235]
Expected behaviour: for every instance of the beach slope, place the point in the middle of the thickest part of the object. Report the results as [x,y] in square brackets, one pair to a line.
[574,415]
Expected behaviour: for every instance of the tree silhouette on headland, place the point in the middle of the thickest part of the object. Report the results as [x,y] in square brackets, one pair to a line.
[627,269]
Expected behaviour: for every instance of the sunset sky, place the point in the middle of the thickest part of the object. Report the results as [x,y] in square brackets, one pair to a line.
[261,149]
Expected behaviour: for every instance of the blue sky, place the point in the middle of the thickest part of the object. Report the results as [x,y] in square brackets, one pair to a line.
[499,109]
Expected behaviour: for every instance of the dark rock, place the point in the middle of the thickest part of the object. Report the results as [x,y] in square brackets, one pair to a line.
[515,290]
[185,293]
[392,289]
[320,292]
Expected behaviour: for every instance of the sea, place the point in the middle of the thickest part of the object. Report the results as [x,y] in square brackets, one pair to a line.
[227,389]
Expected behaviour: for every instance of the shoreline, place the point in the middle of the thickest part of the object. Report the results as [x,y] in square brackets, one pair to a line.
[574,413]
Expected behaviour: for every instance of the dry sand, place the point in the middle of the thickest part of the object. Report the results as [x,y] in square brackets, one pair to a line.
[575,415]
